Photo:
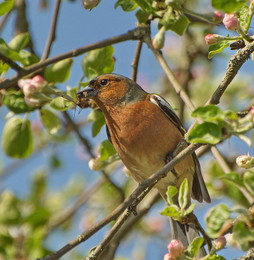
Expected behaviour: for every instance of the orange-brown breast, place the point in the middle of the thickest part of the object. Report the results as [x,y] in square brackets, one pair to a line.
[143,136]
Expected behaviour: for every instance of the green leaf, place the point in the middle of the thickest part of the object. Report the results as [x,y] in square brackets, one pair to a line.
[59,71]
[171,211]
[175,21]
[208,113]
[98,120]
[233,177]
[248,180]
[183,197]
[142,16]
[145,5]
[61,104]
[28,58]
[216,257]
[217,48]
[106,149]
[98,62]
[189,209]
[194,247]
[243,14]
[206,132]
[216,219]
[243,235]
[3,67]
[20,41]
[171,192]
[14,100]
[228,6]
[17,141]
[126,5]
[6,6]
[50,121]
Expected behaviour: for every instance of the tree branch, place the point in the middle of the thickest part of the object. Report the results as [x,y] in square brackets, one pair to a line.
[52,32]
[11,63]
[136,59]
[235,63]
[135,34]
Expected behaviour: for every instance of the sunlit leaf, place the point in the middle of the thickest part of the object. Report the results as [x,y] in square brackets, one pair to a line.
[243,235]
[217,48]
[183,197]
[61,104]
[17,141]
[19,41]
[126,5]
[248,179]
[171,192]
[194,247]
[206,132]
[50,121]
[98,120]
[171,211]
[6,6]
[59,71]
[228,6]
[106,149]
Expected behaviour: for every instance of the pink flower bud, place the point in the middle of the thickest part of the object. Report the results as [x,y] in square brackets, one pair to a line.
[175,247]
[90,4]
[23,82]
[245,161]
[39,82]
[231,21]
[29,90]
[159,39]
[218,16]
[213,38]
[220,243]
[168,256]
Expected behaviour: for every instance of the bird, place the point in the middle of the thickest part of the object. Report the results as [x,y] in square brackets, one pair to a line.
[145,131]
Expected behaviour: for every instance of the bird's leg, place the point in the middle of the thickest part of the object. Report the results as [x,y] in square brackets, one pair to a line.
[168,158]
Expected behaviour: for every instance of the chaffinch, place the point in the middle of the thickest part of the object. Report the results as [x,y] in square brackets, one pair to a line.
[145,131]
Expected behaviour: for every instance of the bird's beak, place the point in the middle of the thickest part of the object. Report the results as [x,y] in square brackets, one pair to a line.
[84,95]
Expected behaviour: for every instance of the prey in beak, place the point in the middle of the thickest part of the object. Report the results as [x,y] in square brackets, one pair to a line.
[84,96]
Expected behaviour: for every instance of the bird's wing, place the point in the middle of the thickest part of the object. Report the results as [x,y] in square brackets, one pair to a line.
[199,190]
[168,111]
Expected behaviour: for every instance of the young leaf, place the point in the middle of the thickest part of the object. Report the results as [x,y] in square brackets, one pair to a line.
[98,120]
[233,177]
[59,71]
[50,121]
[98,62]
[244,14]
[189,209]
[217,48]
[228,6]
[61,104]
[194,247]
[208,113]
[180,25]
[14,100]
[171,211]
[19,41]
[106,149]
[206,132]
[17,139]
[216,219]
[6,6]
[183,196]
[126,5]
[171,192]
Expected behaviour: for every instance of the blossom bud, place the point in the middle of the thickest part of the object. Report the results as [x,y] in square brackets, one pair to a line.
[23,82]
[159,39]
[95,164]
[220,243]
[231,21]
[90,4]
[168,256]
[29,90]
[218,16]
[39,82]
[211,39]
[175,247]
[245,161]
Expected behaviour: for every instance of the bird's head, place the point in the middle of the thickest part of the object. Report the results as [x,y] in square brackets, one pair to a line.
[110,90]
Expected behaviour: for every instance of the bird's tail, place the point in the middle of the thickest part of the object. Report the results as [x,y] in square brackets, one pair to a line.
[185,233]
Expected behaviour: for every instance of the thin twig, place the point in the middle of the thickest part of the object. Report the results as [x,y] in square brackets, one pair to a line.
[133,200]
[136,59]
[135,34]
[234,65]
[11,63]
[52,32]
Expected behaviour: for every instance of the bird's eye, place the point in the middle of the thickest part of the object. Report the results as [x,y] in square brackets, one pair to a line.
[104,82]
